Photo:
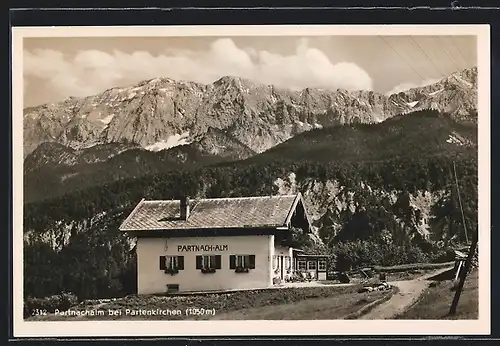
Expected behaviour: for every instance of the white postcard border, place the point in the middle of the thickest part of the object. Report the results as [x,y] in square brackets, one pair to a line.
[254,328]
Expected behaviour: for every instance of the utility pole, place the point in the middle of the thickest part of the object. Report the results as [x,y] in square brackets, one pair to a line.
[470,256]
[463,274]
[460,203]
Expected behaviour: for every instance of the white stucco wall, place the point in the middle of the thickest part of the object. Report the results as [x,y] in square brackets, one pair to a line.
[151,279]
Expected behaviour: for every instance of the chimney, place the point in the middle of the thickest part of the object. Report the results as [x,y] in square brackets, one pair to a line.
[184,208]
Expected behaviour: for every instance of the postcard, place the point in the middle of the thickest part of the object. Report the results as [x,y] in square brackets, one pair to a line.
[251,180]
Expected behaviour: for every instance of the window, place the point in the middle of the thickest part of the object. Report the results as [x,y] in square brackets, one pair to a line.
[322,265]
[276,263]
[171,263]
[301,265]
[208,263]
[311,265]
[288,263]
[242,262]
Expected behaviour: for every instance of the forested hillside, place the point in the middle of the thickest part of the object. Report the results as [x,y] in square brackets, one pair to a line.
[424,133]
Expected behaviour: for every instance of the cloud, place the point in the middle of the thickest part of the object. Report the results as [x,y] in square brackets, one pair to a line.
[91,71]
[408,85]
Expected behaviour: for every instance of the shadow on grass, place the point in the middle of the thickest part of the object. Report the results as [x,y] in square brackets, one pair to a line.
[444,276]
[370,305]
[436,301]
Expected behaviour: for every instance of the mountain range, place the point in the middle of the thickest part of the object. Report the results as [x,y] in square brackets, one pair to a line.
[96,140]
[232,117]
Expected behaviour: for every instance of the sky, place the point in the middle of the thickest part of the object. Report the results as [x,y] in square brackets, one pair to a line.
[57,68]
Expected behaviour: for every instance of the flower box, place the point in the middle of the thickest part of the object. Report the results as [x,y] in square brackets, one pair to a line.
[241,270]
[208,270]
[171,271]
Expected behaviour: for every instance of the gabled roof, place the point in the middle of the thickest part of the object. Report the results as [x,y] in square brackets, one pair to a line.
[240,212]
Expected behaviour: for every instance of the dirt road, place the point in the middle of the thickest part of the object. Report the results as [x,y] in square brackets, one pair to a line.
[409,292]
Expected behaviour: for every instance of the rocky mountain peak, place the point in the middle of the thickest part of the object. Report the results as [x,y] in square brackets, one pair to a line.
[156,111]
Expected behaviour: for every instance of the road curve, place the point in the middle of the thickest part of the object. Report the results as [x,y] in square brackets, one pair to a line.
[409,292]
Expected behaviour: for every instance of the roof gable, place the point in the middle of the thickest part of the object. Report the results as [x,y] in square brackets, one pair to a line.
[240,212]
[298,201]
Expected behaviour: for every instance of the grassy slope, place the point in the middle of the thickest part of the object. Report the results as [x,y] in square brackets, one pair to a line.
[328,302]
[336,307]
[435,302]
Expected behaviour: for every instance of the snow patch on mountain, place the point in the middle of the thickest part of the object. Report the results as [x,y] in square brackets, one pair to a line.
[170,142]
[108,119]
[377,118]
[435,92]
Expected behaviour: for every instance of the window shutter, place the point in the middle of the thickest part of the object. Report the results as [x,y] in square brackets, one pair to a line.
[251,262]
[232,262]
[162,263]
[180,262]
[199,259]
[218,260]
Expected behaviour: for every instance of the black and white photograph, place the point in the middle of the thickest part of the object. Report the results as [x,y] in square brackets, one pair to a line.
[322,178]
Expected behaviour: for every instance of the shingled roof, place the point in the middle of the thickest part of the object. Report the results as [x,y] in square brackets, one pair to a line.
[240,212]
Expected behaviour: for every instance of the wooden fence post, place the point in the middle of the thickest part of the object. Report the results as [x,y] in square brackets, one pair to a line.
[466,268]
